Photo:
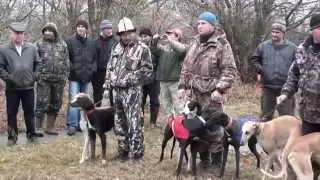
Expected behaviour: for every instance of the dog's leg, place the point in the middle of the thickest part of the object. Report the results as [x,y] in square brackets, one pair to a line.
[270,160]
[253,148]
[103,147]
[92,136]
[224,157]
[167,135]
[183,146]
[194,159]
[302,166]
[84,155]
[237,153]
[172,148]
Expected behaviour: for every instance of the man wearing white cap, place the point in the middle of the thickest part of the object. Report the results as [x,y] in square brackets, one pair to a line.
[128,69]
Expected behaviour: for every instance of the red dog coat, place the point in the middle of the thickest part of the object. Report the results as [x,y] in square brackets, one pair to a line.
[179,131]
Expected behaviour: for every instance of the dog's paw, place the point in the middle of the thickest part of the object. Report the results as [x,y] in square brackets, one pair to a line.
[104,162]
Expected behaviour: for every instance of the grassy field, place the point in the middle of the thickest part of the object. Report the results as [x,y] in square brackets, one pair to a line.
[60,159]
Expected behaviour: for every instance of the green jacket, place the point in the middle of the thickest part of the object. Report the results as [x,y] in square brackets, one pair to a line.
[169,59]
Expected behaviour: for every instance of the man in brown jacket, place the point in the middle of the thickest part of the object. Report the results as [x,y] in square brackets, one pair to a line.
[207,72]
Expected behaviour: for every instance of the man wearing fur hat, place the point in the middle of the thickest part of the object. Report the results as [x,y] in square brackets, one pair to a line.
[304,75]
[208,71]
[83,64]
[53,73]
[128,69]
[104,45]
[272,60]
[18,68]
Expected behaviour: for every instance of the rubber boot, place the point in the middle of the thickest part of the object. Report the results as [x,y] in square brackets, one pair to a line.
[51,120]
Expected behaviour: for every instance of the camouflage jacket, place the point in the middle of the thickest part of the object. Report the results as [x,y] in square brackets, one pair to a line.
[304,75]
[209,66]
[54,56]
[129,66]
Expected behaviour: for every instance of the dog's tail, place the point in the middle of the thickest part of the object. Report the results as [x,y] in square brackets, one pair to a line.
[173,145]
[294,134]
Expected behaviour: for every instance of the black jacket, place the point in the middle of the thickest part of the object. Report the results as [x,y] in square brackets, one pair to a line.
[19,72]
[83,59]
[103,49]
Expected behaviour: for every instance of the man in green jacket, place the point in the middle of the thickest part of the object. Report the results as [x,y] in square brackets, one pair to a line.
[169,55]
[18,62]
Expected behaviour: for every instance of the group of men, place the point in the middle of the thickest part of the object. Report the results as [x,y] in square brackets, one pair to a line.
[129,68]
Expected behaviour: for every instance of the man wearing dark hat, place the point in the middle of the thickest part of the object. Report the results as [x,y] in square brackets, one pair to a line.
[272,60]
[53,73]
[83,64]
[18,66]
[304,76]
[153,88]
[208,71]
[104,45]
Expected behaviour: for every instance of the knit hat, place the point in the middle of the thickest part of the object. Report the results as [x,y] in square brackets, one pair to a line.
[279,25]
[209,17]
[145,31]
[83,23]
[51,27]
[106,24]
[315,21]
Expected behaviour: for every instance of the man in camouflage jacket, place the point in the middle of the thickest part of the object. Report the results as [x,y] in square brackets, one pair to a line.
[53,73]
[304,75]
[129,67]
[207,72]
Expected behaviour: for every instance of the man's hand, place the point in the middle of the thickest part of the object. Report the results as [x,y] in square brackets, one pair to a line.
[181,93]
[281,98]
[217,96]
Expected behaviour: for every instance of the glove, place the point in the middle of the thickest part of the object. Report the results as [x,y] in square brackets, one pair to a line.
[281,98]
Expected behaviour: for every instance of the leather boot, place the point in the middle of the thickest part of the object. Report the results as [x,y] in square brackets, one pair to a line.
[51,120]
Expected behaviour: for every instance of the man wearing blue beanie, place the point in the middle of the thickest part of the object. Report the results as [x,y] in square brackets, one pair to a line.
[208,72]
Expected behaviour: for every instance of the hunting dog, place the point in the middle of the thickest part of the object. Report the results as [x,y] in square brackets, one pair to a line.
[93,121]
[272,136]
[303,155]
[194,130]
[234,132]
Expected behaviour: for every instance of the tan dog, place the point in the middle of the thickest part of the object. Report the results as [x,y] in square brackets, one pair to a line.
[272,135]
[300,152]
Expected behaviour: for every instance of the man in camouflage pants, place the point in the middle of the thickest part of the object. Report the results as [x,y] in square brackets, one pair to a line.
[304,75]
[207,72]
[128,69]
[53,73]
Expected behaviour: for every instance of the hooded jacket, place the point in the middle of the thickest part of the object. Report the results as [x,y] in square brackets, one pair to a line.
[54,56]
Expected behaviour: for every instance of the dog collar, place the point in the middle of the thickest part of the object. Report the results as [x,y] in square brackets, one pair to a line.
[229,123]
[88,112]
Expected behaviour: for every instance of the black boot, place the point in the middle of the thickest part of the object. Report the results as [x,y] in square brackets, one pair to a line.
[153,118]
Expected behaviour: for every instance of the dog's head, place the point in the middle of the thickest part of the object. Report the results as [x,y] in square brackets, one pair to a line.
[82,100]
[248,129]
[191,109]
[216,118]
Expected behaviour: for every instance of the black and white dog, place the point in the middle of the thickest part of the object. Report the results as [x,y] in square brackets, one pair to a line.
[93,121]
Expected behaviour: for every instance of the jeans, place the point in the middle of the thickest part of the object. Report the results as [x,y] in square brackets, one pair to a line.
[74,113]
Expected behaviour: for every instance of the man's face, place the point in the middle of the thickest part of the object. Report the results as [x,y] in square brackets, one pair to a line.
[316,35]
[82,31]
[48,34]
[277,35]
[204,27]
[127,37]
[145,38]
[17,37]
[107,32]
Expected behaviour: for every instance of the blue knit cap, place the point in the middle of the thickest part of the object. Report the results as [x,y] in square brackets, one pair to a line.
[209,17]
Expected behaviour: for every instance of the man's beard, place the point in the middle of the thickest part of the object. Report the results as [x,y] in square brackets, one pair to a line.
[49,37]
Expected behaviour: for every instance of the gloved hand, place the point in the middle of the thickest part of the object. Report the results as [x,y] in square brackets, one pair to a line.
[217,96]
[181,93]
[281,98]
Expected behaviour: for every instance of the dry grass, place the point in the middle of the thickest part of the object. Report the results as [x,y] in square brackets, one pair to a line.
[60,159]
